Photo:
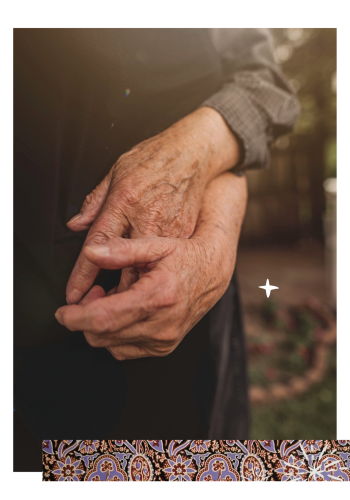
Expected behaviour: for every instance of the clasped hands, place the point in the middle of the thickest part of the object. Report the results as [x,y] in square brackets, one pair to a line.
[169,216]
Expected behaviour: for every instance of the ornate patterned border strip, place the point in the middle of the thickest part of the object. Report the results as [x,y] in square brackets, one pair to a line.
[196,460]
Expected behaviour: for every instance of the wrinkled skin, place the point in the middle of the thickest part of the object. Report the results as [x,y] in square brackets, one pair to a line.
[178,279]
[156,189]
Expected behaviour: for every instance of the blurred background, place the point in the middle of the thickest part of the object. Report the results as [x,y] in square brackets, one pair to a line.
[289,237]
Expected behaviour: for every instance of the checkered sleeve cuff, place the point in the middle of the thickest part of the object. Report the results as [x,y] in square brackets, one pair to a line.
[246,121]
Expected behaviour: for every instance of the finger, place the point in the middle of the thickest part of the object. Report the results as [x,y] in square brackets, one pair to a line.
[128,352]
[149,334]
[113,290]
[91,206]
[113,312]
[118,253]
[108,224]
[134,350]
[96,292]
[138,333]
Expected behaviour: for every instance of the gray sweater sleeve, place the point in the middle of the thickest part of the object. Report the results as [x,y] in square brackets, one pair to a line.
[256,99]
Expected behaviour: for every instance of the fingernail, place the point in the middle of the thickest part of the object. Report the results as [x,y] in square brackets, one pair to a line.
[101,250]
[73,219]
[74,296]
[58,317]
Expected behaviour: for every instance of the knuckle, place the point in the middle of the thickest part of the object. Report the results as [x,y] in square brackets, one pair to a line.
[124,246]
[109,223]
[155,213]
[167,338]
[124,159]
[100,235]
[126,193]
[149,227]
[92,340]
[168,297]
[145,311]
[101,322]
[117,354]
[90,199]
[172,336]
[164,351]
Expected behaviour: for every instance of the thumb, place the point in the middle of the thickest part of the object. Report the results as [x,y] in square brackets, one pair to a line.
[129,276]
[91,206]
[96,292]
[118,253]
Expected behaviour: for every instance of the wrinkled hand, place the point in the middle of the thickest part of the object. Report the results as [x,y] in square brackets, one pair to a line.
[155,189]
[180,280]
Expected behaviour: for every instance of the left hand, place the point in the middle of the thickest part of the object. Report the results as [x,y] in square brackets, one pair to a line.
[180,280]
[156,189]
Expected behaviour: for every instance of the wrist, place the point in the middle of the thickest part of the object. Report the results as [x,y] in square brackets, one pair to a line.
[224,148]
[222,213]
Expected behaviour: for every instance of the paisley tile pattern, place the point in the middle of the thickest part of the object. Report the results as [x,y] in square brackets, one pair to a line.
[196,460]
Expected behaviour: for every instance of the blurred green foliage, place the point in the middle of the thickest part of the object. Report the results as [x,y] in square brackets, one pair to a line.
[289,352]
[269,311]
[301,331]
[308,59]
[310,416]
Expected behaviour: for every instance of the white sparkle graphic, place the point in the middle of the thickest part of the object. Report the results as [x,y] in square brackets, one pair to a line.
[268,288]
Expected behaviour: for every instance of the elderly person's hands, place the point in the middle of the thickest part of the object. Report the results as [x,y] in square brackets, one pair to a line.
[155,189]
[180,280]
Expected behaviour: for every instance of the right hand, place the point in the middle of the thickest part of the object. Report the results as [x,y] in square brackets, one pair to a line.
[180,280]
[156,189]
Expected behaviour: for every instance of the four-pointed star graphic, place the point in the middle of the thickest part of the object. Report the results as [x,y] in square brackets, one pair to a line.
[268,288]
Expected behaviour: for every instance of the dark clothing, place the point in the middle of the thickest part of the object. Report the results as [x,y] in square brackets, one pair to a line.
[73,119]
